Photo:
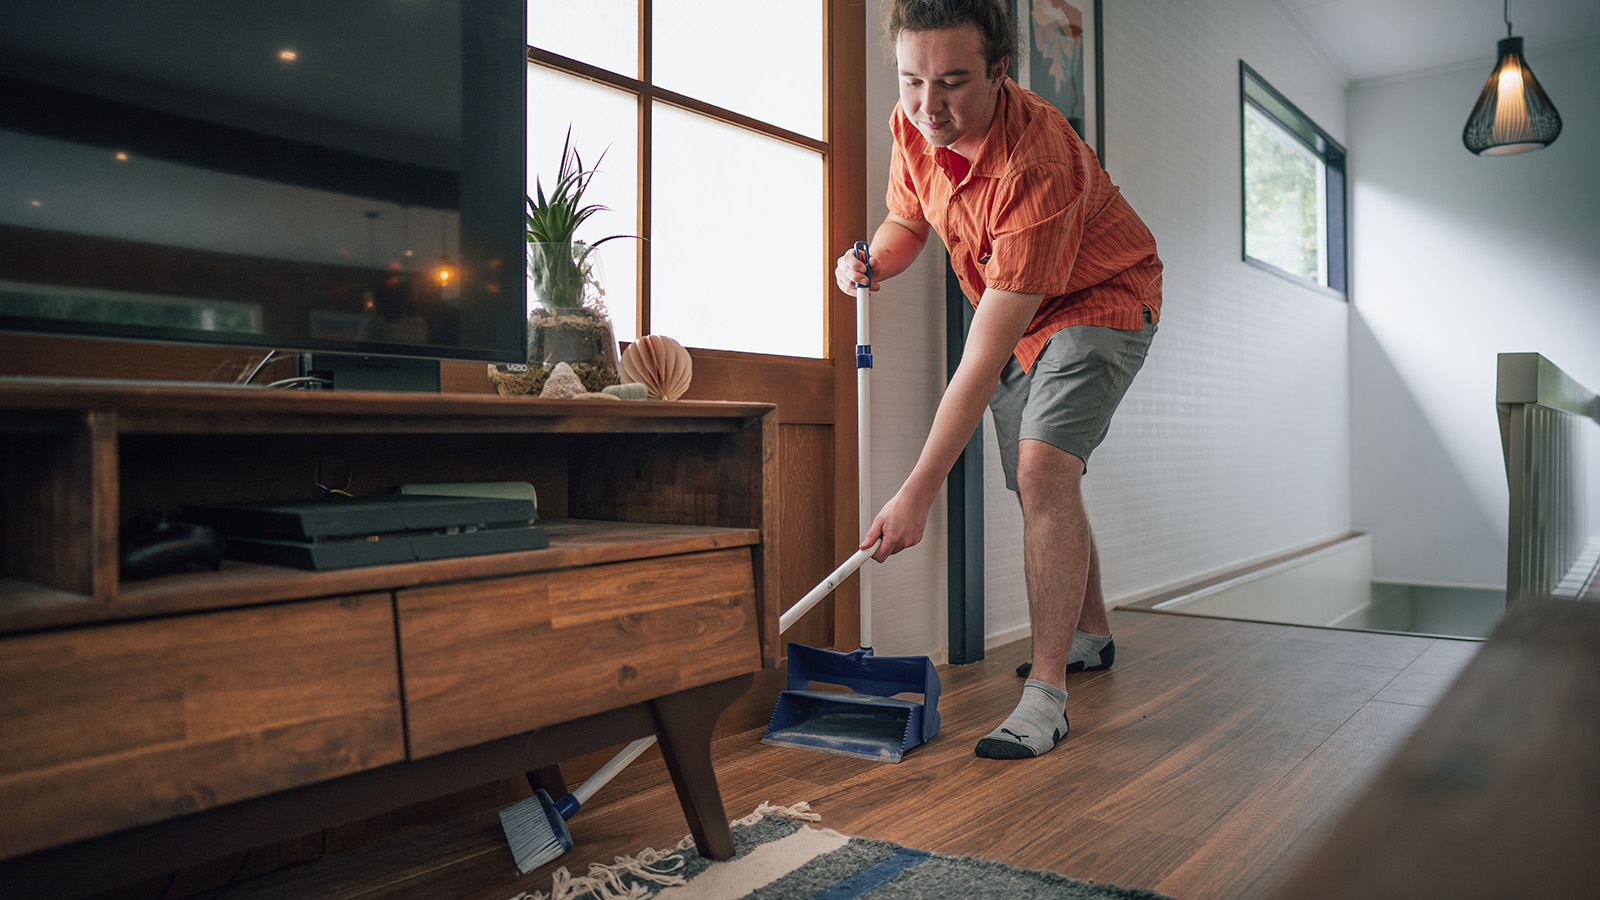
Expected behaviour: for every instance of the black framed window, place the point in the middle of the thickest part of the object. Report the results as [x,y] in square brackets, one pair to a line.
[1294,220]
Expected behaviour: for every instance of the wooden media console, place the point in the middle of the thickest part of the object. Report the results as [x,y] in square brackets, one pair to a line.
[152,724]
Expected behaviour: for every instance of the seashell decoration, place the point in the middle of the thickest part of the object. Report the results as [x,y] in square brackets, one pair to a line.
[562,383]
[660,364]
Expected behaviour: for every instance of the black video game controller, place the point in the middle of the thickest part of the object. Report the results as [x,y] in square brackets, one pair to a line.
[152,544]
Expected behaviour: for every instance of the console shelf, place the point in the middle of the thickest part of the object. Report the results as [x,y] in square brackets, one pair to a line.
[573,542]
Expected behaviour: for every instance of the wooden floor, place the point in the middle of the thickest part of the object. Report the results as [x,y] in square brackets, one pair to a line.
[1213,754]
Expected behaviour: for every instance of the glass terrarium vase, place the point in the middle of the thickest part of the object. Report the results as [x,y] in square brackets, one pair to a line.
[567,319]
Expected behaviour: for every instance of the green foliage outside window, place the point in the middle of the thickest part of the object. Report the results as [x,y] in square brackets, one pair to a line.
[1284,205]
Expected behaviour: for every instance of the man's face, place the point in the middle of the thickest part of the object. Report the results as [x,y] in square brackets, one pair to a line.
[945,87]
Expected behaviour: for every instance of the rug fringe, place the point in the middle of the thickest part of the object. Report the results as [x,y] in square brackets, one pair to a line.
[800,811]
[604,882]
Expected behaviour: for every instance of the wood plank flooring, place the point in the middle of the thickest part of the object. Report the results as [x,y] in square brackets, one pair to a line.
[1205,762]
[1506,761]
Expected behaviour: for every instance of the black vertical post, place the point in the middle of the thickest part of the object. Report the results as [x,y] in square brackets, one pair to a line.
[965,499]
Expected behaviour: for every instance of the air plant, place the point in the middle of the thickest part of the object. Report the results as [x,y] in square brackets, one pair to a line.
[560,265]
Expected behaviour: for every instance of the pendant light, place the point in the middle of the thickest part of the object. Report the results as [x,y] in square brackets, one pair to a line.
[1512,115]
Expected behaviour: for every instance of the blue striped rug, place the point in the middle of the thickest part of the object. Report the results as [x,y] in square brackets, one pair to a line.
[779,857]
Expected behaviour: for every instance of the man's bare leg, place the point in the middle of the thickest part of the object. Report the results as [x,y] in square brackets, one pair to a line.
[1058,554]
[1087,651]
[1093,617]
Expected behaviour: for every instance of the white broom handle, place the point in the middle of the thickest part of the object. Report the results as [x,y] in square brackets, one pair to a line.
[863,446]
[609,771]
[863,475]
[824,588]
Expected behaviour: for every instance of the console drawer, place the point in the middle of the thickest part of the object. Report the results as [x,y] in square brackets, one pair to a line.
[119,725]
[487,659]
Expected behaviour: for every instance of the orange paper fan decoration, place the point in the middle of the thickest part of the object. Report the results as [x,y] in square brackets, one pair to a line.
[660,364]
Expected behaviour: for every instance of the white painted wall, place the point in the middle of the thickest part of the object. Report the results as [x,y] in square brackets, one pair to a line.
[1233,444]
[1455,259]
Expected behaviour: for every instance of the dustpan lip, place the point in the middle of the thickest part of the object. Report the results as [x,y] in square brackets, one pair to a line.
[795,717]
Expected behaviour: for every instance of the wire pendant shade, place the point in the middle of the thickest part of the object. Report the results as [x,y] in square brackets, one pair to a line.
[1512,115]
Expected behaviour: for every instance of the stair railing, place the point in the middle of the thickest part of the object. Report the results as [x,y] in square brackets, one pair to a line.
[1545,417]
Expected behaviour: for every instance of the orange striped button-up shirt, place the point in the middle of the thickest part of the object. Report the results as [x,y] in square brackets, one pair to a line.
[1035,214]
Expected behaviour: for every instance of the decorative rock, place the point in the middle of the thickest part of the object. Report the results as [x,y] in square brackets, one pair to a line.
[596,395]
[562,384]
[633,390]
[660,364]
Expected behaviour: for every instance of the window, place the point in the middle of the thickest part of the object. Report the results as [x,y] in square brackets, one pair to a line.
[709,134]
[1294,197]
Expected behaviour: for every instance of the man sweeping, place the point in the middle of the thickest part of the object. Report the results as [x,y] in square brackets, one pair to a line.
[1066,290]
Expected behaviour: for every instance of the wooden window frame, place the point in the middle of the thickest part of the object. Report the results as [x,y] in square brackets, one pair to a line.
[808,391]
[649,94]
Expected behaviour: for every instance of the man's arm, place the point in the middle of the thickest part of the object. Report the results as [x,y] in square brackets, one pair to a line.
[997,325]
[894,248]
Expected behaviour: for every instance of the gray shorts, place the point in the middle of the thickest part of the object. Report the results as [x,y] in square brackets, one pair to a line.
[1068,398]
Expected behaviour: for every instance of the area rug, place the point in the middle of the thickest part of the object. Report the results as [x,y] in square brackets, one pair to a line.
[780,857]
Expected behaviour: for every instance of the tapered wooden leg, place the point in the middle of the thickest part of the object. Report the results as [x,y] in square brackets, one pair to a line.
[685,721]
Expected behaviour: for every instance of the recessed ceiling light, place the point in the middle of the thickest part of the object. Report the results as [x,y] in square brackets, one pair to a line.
[288,54]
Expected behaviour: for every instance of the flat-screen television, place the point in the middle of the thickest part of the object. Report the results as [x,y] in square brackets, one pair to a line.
[300,175]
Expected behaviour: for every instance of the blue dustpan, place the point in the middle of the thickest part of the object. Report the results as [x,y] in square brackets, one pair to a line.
[868,722]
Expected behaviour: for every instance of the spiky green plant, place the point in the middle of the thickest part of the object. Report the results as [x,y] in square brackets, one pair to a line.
[559,264]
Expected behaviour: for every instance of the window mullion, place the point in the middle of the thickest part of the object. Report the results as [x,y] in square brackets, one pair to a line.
[593,73]
[646,160]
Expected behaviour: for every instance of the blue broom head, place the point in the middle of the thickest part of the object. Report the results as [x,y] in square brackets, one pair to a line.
[535,831]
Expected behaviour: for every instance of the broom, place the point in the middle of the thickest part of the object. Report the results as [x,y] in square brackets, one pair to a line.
[536,828]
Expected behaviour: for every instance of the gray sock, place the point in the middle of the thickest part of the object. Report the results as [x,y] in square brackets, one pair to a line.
[1086,648]
[1087,653]
[1033,728]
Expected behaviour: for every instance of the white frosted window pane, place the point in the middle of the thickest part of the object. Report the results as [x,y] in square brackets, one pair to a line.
[756,57]
[598,32]
[737,255]
[605,130]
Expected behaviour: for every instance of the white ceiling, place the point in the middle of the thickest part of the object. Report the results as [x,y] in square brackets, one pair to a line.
[1367,39]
